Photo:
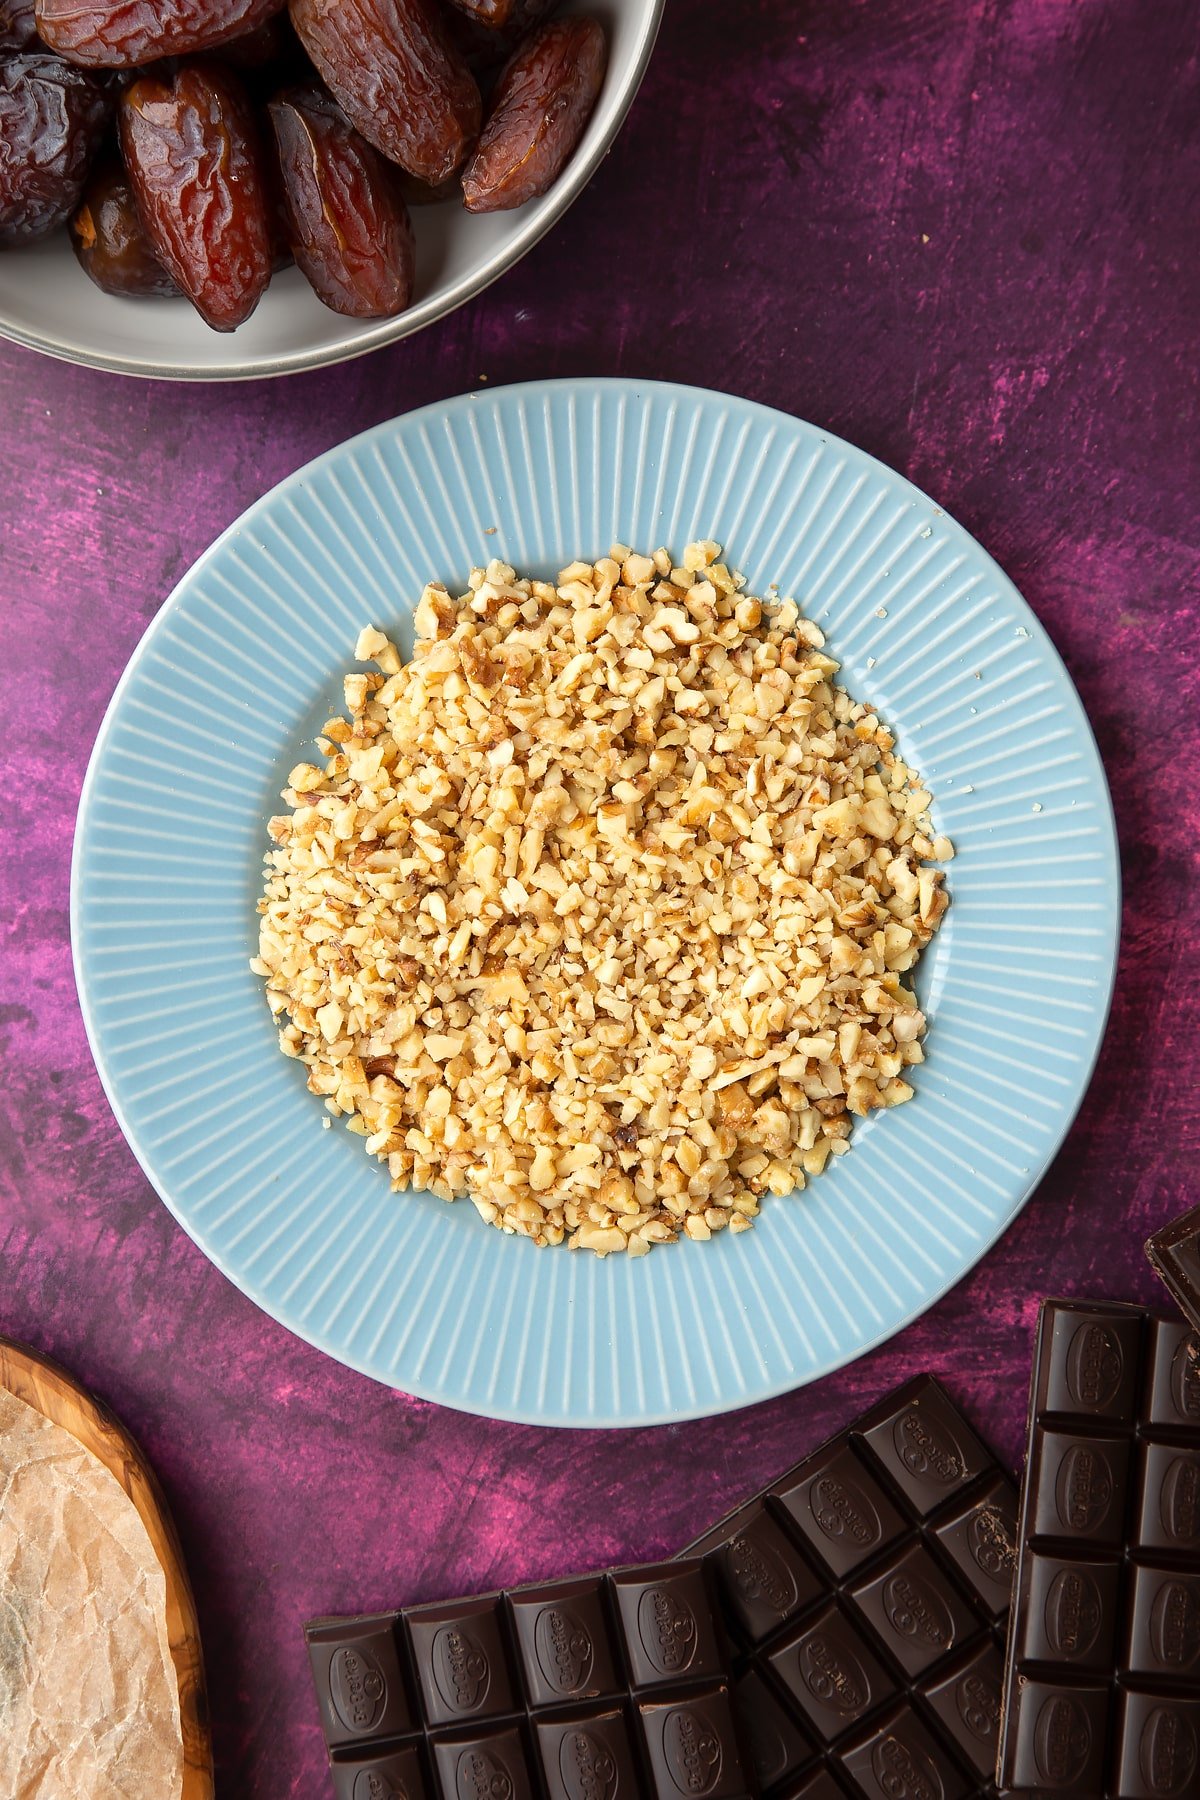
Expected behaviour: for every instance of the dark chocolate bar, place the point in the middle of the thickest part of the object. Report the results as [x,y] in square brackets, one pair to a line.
[1174,1254]
[1102,1681]
[866,1593]
[603,1687]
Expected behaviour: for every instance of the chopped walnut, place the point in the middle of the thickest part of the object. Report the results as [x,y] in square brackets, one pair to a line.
[601,909]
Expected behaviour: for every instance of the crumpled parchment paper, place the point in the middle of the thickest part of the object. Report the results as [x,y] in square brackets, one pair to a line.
[89,1707]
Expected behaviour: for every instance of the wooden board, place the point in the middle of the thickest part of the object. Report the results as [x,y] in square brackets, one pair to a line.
[41,1384]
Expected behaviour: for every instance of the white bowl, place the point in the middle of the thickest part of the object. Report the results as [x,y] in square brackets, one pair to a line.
[48,303]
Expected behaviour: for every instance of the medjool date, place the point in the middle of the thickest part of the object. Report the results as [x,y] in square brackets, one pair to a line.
[191,148]
[52,118]
[398,78]
[110,241]
[18,27]
[486,44]
[350,231]
[121,34]
[542,102]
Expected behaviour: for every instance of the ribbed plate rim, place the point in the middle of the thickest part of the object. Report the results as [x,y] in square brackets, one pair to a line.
[288,488]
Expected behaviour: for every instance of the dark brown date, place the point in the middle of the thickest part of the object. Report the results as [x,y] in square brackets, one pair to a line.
[18,27]
[542,102]
[120,34]
[52,118]
[191,148]
[486,46]
[350,230]
[110,241]
[398,78]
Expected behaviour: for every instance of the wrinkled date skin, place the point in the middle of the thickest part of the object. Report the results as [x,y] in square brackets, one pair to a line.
[350,230]
[110,241]
[398,78]
[52,118]
[120,34]
[191,148]
[18,27]
[542,102]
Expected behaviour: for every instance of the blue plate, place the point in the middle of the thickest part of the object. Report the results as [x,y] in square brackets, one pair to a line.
[239,670]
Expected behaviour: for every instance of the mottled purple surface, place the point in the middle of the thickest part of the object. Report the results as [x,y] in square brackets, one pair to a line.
[964,234]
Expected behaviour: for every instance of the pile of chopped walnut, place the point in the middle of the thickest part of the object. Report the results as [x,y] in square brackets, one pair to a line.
[601,908]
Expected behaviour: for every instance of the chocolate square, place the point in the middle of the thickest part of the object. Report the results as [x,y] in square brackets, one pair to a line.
[488,1764]
[587,1756]
[1168,1507]
[1157,1754]
[1173,1402]
[967,1702]
[764,1580]
[692,1747]
[382,1775]
[778,1748]
[1174,1254]
[928,1450]
[1090,1368]
[1059,1738]
[358,1672]
[1182,1252]
[458,1653]
[563,1643]
[840,1511]
[1164,1625]
[666,1623]
[981,1541]
[1080,1487]
[915,1611]
[899,1756]
[1069,1612]
[831,1673]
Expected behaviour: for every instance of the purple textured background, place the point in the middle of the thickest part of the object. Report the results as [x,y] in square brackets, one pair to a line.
[962,233]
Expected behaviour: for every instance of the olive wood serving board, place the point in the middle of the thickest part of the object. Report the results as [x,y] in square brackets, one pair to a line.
[47,1388]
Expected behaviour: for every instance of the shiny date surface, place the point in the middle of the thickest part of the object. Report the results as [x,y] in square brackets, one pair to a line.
[398,78]
[542,102]
[350,231]
[110,241]
[121,34]
[191,147]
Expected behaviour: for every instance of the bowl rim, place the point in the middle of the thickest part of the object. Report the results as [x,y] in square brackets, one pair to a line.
[375,335]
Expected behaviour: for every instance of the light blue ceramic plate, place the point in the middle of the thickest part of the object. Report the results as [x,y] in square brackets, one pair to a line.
[243,664]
